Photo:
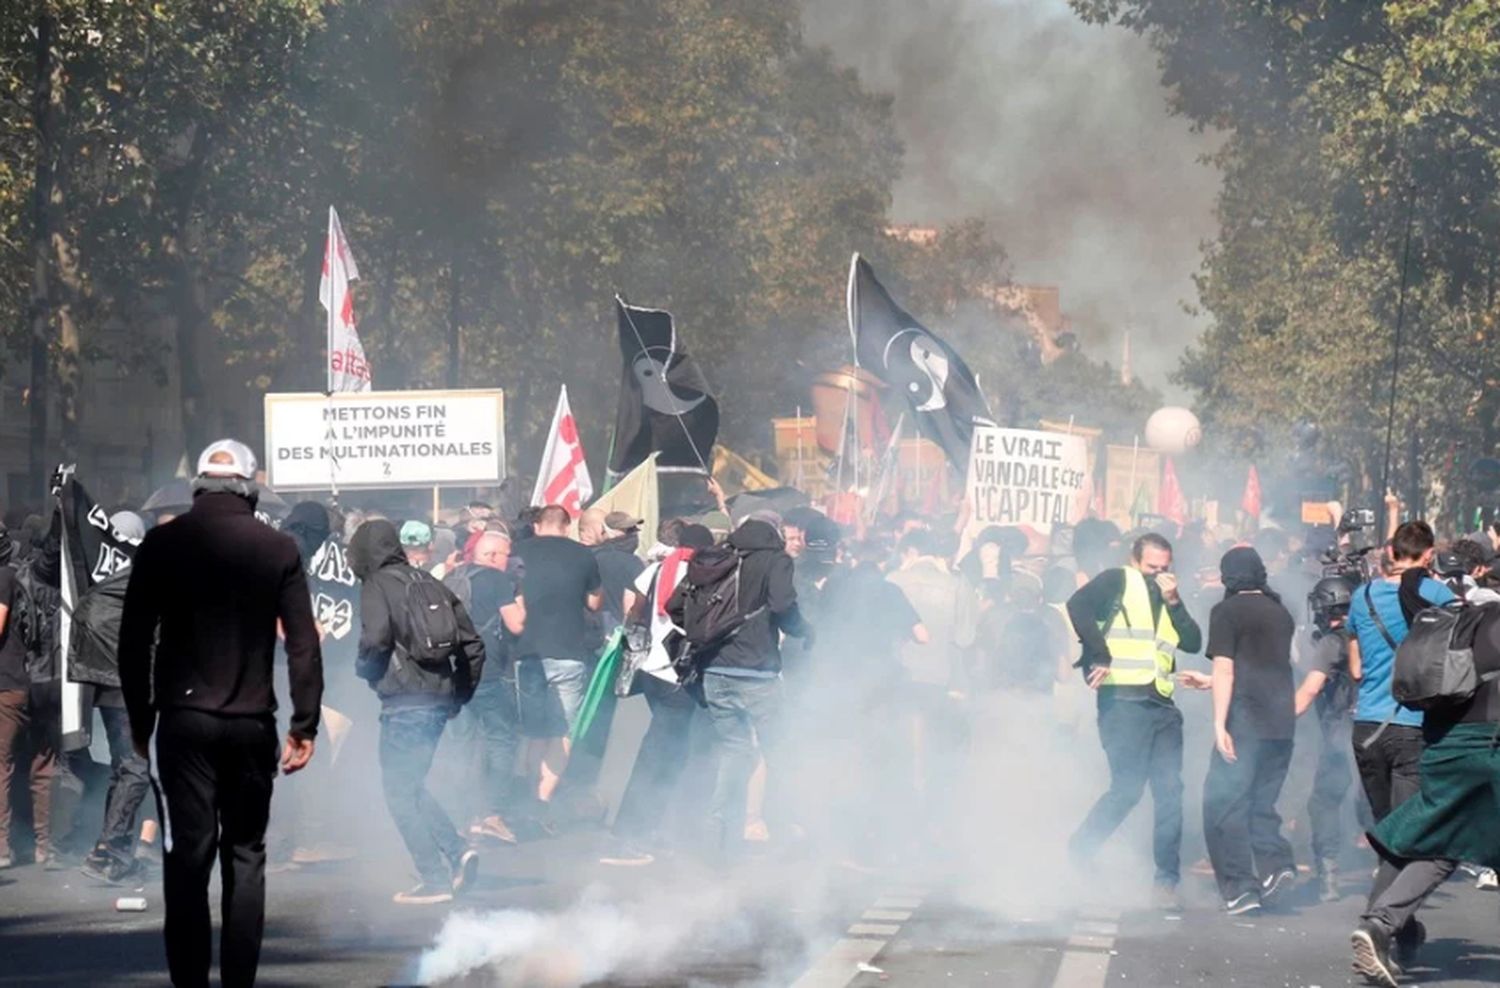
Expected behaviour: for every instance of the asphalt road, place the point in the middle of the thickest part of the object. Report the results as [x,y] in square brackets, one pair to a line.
[547,914]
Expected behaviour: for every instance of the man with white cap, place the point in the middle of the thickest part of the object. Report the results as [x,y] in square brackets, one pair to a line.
[208,589]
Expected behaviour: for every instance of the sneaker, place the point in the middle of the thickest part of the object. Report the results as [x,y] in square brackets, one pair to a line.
[465,871]
[493,828]
[1408,940]
[423,895]
[1276,885]
[6,861]
[624,854]
[1164,898]
[1487,880]
[756,831]
[102,866]
[1245,902]
[1372,954]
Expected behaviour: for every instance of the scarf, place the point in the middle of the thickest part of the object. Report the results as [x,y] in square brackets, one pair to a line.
[673,568]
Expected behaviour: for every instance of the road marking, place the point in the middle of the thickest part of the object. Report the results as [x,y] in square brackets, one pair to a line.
[874,929]
[887,915]
[840,965]
[1085,961]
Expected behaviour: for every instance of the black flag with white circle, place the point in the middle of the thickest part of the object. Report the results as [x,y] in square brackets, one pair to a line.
[939,388]
[665,406]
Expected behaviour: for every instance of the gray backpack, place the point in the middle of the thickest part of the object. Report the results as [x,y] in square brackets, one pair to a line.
[1435,662]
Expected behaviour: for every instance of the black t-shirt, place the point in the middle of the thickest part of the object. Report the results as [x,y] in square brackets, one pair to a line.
[13,675]
[1256,633]
[618,569]
[490,589]
[559,574]
[869,618]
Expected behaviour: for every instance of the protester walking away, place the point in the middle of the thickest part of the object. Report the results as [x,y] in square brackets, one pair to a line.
[1388,737]
[202,607]
[562,586]
[37,597]
[733,606]
[94,660]
[15,720]
[665,747]
[1452,817]
[937,674]
[494,602]
[1131,623]
[1328,687]
[1250,646]
[421,654]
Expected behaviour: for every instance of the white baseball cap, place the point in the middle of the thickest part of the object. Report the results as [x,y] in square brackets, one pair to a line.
[227,458]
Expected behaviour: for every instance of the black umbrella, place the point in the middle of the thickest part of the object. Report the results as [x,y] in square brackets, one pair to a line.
[176,496]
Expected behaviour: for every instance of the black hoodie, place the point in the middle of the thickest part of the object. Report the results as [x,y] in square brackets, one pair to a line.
[765,581]
[376,557]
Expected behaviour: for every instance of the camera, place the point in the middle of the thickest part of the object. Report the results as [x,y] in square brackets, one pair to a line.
[1352,554]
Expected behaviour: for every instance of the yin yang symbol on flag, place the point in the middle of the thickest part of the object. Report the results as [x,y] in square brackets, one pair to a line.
[650,367]
[916,364]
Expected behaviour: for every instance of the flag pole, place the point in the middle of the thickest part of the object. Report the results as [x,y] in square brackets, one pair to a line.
[1135,450]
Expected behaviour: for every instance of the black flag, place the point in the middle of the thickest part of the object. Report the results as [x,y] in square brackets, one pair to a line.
[944,397]
[665,406]
[96,551]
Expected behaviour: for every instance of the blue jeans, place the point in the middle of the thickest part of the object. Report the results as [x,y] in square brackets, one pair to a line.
[408,740]
[551,695]
[496,707]
[1142,741]
[129,782]
[745,713]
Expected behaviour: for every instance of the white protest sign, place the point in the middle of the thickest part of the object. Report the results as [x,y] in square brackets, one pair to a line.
[385,439]
[1026,477]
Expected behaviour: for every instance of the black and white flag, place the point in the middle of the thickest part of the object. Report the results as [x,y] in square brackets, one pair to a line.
[664,405]
[938,387]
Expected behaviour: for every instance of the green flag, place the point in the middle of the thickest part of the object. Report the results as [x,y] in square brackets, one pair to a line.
[600,686]
[1141,505]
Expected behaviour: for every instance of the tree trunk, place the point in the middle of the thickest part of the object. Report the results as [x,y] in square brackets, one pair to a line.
[191,321]
[44,119]
[309,370]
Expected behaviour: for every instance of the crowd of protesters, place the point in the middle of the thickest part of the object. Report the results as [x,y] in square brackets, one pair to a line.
[481,634]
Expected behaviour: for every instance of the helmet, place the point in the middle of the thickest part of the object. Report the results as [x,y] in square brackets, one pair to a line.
[1330,598]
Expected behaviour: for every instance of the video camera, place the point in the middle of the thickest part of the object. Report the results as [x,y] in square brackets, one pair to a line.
[1355,541]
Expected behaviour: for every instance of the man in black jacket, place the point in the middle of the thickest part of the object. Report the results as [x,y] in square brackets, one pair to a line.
[416,702]
[742,679]
[209,588]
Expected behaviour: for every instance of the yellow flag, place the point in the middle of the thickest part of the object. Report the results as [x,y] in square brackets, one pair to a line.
[638,494]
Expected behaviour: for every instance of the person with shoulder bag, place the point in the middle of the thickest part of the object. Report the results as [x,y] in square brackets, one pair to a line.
[421,654]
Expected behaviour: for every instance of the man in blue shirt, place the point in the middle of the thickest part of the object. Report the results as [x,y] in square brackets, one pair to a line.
[1387,758]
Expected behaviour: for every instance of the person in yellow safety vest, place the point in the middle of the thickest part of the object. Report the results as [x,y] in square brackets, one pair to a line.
[1132,623]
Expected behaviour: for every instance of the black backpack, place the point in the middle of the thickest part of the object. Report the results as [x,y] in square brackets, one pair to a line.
[1434,665]
[711,613]
[37,604]
[431,620]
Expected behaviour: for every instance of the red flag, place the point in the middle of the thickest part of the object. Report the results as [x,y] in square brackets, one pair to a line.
[1250,500]
[564,476]
[1170,503]
[347,368]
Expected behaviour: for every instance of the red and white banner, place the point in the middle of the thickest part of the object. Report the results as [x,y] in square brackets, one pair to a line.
[347,368]
[564,476]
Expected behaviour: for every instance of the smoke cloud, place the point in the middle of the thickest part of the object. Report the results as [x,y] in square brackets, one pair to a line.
[1056,132]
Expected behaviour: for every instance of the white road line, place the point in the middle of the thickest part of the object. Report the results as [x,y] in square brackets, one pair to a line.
[874,929]
[837,968]
[897,902]
[887,915]
[1085,961]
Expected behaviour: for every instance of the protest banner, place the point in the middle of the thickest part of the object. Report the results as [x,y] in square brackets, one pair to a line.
[1026,477]
[1132,483]
[385,439]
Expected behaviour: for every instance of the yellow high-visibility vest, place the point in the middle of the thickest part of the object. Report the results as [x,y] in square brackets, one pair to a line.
[1141,651]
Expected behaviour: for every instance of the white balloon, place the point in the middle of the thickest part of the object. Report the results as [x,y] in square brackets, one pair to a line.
[1173,429]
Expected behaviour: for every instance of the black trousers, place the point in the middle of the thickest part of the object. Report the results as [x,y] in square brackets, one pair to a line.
[664,751]
[216,775]
[1142,740]
[1240,824]
[1388,768]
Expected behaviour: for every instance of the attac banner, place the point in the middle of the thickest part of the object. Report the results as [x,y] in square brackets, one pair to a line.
[385,439]
[1026,477]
